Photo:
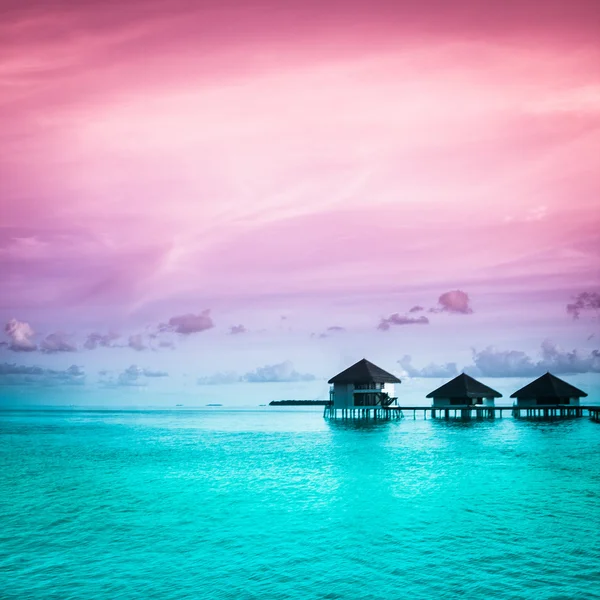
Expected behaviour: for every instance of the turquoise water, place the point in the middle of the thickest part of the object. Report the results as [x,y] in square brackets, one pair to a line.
[283,504]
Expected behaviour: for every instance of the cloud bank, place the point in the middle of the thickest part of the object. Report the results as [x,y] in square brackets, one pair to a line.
[95,340]
[22,375]
[432,370]
[277,373]
[492,362]
[134,376]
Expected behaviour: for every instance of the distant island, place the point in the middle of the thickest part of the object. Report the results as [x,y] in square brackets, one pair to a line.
[299,403]
[214,405]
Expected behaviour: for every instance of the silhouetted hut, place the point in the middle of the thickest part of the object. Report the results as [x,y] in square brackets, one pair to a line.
[548,390]
[464,391]
[362,386]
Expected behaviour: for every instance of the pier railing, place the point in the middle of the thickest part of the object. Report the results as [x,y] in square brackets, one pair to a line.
[550,411]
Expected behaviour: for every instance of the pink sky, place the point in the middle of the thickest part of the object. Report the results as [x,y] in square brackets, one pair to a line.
[334,163]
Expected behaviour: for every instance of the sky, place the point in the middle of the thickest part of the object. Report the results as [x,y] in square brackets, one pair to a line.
[240,198]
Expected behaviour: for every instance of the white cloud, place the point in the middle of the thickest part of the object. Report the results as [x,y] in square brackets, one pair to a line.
[20,334]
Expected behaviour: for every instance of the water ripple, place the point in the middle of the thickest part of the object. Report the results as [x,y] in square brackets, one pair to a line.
[261,505]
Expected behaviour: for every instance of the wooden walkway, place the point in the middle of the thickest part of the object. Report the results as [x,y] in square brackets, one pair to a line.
[466,412]
[480,412]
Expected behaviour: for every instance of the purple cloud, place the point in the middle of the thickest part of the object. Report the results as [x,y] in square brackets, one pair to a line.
[237,329]
[396,319]
[130,377]
[455,301]
[416,308]
[329,331]
[57,342]
[157,340]
[586,301]
[20,334]
[189,323]
[95,340]
[150,373]
[136,342]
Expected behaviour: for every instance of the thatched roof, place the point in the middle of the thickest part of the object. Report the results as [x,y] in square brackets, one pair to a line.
[464,386]
[364,372]
[549,386]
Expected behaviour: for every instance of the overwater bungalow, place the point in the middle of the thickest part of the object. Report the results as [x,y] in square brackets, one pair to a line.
[548,390]
[464,391]
[362,387]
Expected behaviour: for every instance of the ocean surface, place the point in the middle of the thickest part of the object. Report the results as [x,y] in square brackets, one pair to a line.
[280,503]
